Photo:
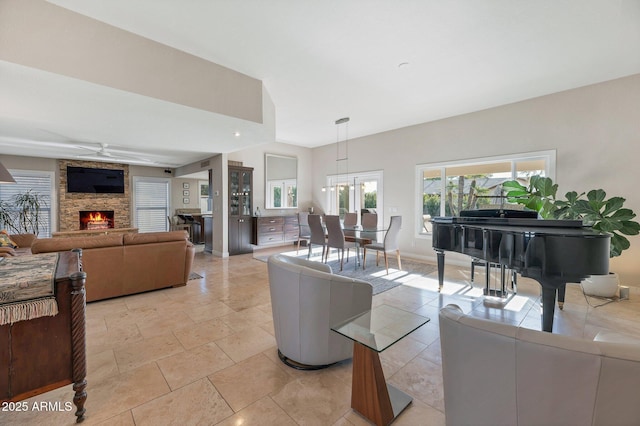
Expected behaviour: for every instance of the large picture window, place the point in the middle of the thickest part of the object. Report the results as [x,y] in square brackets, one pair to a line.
[445,189]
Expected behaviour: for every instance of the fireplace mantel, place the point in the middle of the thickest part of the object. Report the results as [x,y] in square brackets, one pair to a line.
[92,232]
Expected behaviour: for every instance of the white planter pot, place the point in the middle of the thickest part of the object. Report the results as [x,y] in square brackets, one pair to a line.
[601,285]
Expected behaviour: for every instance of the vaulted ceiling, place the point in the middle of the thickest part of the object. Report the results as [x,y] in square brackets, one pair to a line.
[384,64]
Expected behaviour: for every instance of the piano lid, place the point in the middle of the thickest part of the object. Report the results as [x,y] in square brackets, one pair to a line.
[529,214]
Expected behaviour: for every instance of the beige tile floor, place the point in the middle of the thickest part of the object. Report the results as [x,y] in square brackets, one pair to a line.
[205,354]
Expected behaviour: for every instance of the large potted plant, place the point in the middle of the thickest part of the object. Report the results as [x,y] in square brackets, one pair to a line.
[593,208]
[23,214]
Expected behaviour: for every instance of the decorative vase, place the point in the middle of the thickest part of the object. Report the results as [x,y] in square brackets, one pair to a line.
[601,285]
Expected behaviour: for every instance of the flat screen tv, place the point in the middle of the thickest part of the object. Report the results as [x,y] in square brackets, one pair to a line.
[95,181]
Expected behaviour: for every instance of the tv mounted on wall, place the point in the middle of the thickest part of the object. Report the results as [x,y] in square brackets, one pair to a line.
[95,181]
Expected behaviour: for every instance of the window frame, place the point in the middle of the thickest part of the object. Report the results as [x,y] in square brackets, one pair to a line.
[52,201]
[167,181]
[550,170]
[282,184]
[332,183]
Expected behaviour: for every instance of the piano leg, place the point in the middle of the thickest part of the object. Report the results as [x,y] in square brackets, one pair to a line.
[548,307]
[440,256]
[561,291]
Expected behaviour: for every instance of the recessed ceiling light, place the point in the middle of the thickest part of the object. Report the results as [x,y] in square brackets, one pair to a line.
[236,134]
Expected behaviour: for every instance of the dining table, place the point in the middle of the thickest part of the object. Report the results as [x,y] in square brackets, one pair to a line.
[361,237]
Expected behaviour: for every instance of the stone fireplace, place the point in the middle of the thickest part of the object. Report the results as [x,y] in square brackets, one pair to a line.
[96,219]
[72,204]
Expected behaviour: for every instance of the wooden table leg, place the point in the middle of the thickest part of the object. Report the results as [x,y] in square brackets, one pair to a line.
[369,394]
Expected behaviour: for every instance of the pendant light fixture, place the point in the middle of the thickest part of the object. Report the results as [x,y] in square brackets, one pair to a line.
[342,151]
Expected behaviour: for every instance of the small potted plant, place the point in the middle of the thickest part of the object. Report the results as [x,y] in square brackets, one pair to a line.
[593,208]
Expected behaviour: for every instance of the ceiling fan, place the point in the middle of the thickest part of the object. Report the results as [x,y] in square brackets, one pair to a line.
[106,153]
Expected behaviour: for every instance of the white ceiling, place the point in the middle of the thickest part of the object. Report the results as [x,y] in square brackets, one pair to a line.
[321,61]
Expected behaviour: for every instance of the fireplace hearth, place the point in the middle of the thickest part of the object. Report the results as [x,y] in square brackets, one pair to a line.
[90,220]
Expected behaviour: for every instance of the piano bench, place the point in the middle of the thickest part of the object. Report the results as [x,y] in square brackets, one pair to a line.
[503,288]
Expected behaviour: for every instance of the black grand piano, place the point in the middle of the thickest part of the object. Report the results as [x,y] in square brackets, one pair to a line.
[552,252]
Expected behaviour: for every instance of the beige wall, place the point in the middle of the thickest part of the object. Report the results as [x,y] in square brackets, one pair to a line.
[595,131]
[254,157]
[41,35]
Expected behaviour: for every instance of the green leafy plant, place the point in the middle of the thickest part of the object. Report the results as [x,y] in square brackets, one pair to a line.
[22,215]
[602,214]
[539,195]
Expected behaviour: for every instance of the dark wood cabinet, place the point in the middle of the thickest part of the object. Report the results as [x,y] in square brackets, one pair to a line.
[240,209]
[42,354]
[274,229]
[208,232]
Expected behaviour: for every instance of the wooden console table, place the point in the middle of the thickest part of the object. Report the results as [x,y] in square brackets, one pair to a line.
[92,232]
[42,354]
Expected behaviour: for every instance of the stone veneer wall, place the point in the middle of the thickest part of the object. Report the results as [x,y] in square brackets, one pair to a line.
[71,203]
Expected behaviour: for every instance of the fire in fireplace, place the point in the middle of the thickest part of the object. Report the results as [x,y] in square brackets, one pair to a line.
[96,219]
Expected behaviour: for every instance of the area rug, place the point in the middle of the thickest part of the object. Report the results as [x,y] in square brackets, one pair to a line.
[376,275]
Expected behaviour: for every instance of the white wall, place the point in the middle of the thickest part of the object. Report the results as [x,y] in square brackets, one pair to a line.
[254,157]
[595,131]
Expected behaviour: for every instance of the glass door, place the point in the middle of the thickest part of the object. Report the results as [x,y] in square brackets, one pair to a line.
[234,193]
[356,193]
[246,193]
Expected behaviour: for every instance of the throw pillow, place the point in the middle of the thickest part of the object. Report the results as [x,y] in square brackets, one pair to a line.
[5,241]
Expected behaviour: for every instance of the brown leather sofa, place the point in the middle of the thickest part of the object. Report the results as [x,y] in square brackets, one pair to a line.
[123,264]
[23,241]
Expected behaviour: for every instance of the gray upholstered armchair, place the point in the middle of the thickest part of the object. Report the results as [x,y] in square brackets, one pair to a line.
[499,374]
[307,300]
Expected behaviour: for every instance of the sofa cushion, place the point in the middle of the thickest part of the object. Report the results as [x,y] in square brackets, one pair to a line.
[46,245]
[155,237]
[23,241]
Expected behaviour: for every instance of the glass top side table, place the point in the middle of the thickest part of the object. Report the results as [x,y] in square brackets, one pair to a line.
[373,332]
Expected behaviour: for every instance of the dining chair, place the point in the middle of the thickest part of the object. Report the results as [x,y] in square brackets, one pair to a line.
[335,238]
[316,235]
[369,220]
[370,226]
[388,245]
[350,220]
[304,232]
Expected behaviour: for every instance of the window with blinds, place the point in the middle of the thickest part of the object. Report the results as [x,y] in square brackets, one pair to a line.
[37,182]
[151,201]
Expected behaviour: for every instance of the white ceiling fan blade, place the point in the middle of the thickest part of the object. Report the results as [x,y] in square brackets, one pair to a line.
[14,141]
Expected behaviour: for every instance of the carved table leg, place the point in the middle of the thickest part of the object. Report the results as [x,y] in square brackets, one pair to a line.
[78,342]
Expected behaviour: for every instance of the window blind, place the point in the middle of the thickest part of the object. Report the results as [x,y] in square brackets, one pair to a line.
[37,182]
[151,204]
